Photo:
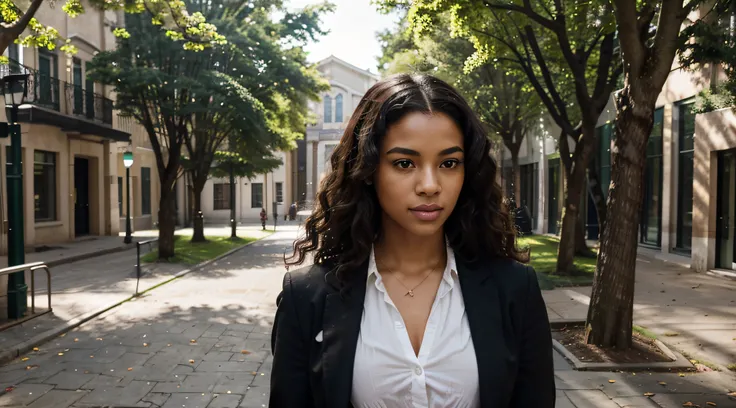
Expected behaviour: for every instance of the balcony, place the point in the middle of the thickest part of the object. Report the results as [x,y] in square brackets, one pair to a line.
[76,110]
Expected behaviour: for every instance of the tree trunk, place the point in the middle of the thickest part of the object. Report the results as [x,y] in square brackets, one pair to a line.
[581,245]
[609,322]
[233,222]
[570,215]
[166,220]
[516,177]
[198,216]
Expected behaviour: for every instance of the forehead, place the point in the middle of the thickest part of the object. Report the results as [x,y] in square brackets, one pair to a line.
[423,131]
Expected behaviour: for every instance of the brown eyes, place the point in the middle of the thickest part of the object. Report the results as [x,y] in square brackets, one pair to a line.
[407,164]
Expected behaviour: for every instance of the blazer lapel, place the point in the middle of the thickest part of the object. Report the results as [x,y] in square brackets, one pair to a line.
[340,329]
[483,307]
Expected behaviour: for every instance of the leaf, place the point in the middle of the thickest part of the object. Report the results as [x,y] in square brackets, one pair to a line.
[76,340]
[712,404]
[648,394]
[61,353]
[662,383]
[192,341]
[244,352]
[24,359]
[611,381]
[35,349]
[130,368]
[99,339]
[8,389]
[191,361]
[690,404]
[145,344]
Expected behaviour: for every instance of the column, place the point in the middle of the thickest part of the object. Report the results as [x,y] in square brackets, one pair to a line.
[669,178]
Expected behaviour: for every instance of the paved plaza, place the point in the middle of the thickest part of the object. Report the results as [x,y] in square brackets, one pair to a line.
[203,341]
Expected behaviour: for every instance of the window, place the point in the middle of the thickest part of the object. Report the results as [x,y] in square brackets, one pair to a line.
[44,185]
[529,190]
[651,212]
[145,190]
[77,84]
[338,109]
[686,119]
[120,196]
[256,195]
[15,58]
[222,196]
[279,192]
[48,85]
[328,109]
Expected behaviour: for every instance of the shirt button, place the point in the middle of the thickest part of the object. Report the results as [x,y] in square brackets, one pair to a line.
[418,370]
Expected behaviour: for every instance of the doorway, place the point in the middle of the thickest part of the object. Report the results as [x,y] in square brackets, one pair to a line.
[81,196]
[553,190]
[726,211]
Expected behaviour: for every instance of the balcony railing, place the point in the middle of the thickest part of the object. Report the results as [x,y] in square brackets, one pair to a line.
[45,91]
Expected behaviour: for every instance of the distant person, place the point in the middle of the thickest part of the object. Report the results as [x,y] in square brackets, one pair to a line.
[264,218]
[292,212]
[418,296]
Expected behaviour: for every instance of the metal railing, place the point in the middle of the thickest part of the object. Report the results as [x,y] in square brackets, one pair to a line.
[149,244]
[45,90]
[33,267]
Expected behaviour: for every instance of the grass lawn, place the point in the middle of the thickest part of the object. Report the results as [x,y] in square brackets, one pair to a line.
[189,253]
[544,260]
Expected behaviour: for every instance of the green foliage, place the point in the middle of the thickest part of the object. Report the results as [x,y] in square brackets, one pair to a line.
[711,40]
[191,29]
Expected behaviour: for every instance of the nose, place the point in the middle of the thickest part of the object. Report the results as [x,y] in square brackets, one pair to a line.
[428,183]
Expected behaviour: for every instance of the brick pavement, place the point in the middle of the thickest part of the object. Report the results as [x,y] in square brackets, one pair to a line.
[203,341]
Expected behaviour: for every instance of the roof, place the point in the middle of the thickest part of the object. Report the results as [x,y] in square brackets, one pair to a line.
[348,65]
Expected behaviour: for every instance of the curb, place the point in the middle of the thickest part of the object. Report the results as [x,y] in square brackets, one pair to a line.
[90,255]
[44,337]
[679,361]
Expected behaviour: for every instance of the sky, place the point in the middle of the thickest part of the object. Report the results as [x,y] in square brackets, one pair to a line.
[352,38]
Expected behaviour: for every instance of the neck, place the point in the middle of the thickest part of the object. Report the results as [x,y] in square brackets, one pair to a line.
[400,251]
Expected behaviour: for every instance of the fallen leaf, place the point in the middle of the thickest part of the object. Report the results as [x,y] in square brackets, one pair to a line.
[35,349]
[76,340]
[168,345]
[244,352]
[99,339]
[145,344]
[611,381]
[192,341]
[31,367]
[62,335]
[11,388]
[712,404]
[681,374]
[24,359]
[61,353]
[228,391]
[253,373]
[191,361]
[130,368]
[662,383]
[696,286]
[648,394]
[731,394]
[91,356]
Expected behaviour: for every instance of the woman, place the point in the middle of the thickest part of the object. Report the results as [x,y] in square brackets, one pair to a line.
[417,297]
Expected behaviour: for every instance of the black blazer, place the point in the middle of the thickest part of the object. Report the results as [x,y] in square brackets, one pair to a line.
[506,314]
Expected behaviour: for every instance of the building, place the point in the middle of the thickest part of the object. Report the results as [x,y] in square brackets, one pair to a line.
[73,141]
[311,159]
[262,191]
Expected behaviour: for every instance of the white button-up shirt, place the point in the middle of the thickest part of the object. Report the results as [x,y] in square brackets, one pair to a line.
[388,374]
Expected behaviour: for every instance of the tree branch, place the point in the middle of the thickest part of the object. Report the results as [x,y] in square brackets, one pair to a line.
[14,29]
[633,50]
[527,11]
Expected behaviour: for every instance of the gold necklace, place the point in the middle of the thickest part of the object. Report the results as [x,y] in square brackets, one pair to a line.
[410,292]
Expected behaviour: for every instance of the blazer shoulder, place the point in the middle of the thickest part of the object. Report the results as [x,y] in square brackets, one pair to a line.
[306,282]
[513,275]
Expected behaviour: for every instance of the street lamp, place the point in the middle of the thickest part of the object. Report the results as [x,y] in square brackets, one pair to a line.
[128,162]
[15,89]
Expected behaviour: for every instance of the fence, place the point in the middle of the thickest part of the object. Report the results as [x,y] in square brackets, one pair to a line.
[33,267]
[150,244]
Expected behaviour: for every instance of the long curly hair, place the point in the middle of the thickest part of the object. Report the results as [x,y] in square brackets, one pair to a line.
[346,219]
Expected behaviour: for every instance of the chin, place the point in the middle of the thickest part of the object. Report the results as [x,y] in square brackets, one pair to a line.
[425,229]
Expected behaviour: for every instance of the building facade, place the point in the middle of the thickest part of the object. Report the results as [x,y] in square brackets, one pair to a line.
[73,141]
[311,159]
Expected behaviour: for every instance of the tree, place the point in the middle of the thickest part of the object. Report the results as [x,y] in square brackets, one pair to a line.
[157,90]
[650,34]
[180,25]
[245,112]
[574,39]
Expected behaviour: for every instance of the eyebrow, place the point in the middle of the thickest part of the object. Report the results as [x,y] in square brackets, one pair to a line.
[410,152]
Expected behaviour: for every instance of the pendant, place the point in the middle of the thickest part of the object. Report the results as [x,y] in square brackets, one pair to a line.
[410,293]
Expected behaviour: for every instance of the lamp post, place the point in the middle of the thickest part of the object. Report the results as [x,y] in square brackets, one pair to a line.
[15,88]
[128,162]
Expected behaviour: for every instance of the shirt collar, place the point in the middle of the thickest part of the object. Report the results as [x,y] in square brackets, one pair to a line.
[448,276]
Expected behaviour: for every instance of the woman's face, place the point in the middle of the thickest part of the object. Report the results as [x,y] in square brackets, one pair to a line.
[420,173]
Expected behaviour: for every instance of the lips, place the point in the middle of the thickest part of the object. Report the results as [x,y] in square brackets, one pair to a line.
[430,212]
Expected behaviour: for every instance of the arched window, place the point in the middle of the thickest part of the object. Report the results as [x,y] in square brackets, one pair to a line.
[328,109]
[338,108]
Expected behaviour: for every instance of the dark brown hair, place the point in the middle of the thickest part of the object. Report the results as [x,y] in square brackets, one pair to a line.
[347,216]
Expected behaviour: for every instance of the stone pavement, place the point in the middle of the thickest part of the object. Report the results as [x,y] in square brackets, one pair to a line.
[694,313]
[93,284]
[203,341]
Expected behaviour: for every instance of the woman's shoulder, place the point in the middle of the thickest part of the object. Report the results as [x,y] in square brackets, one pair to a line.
[307,280]
[512,274]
